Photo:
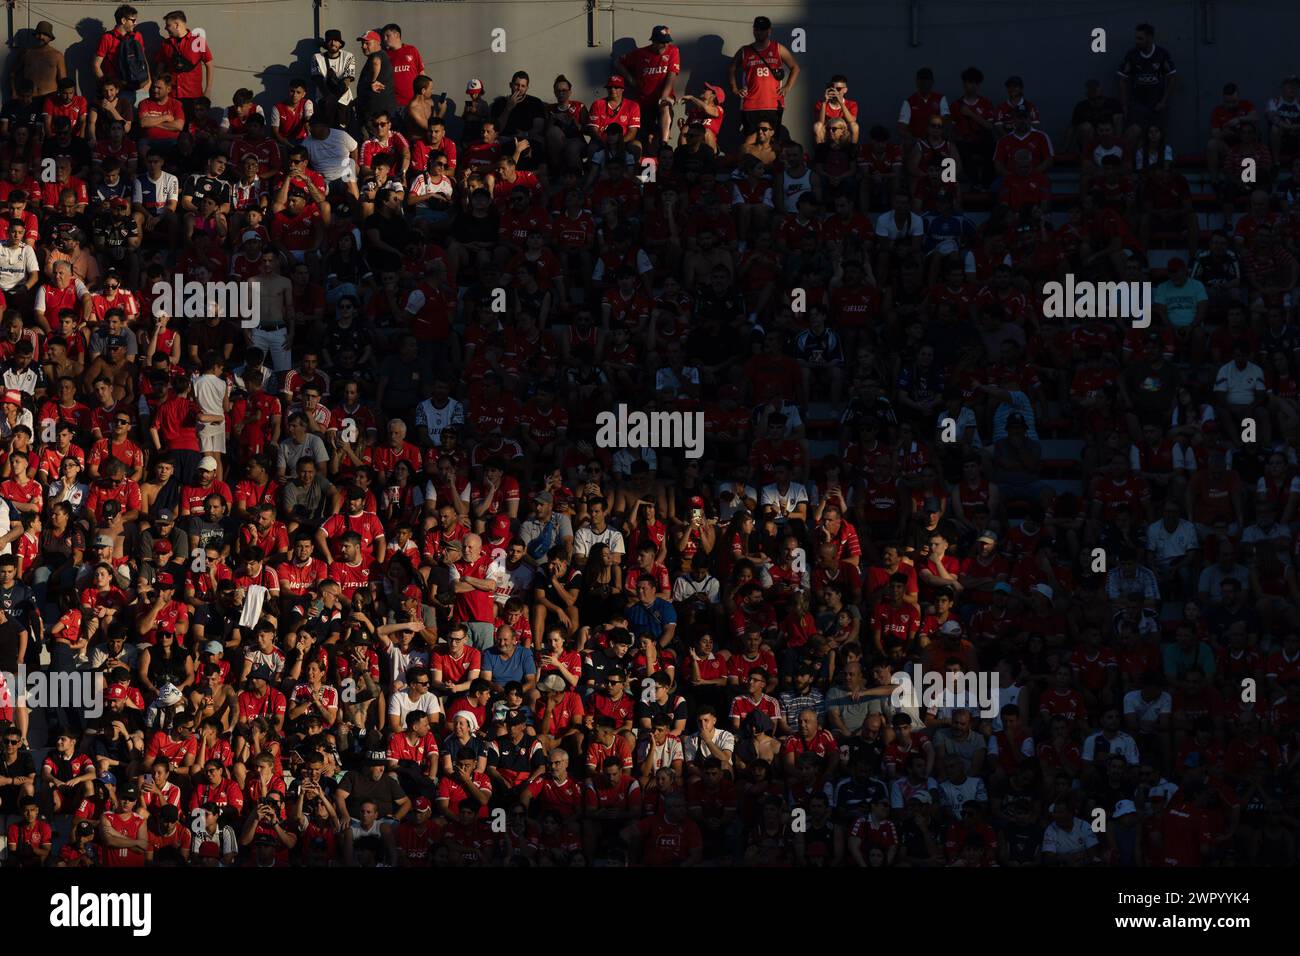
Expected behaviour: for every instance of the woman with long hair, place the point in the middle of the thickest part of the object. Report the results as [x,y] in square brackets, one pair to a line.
[602,587]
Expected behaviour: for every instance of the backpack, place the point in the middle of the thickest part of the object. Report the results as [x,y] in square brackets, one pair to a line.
[132,65]
[179,62]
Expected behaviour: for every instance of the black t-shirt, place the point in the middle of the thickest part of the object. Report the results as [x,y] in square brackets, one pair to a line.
[600,664]
[76,148]
[22,766]
[18,113]
[200,187]
[354,337]
[1148,74]
[473,229]
[1086,111]
[385,792]
[393,230]
[521,119]
[368,101]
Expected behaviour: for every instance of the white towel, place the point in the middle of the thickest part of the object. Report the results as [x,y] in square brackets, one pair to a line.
[254,597]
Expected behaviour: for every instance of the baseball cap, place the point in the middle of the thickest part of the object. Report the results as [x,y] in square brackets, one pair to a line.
[207,463]
[369,35]
[1044,589]
[412,593]
[102,541]
[164,515]
[422,805]
[544,497]
[11,397]
[474,86]
[453,545]
[990,536]
[114,692]
[165,580]
[718,92]
[660,34]
[951,627]
[552,682]
[213,647]
[762,23]
[376,758]
[250,235]
[1124,807]
[932,504]
[261,672]
[697,502]
[114,342]
[1002,588]
[129,792]
[615,82]
[500,526]
[1176,264]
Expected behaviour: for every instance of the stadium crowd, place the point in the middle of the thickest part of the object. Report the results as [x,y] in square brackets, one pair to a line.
[364,589]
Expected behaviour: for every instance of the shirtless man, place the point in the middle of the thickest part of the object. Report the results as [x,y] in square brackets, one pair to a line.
[422,108]
[276,321]
[762,146]
[114,365]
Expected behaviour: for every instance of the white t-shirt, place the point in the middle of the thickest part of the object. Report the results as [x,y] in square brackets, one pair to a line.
[401,705]
[1123,744]
[15,264]
[331,156]
[887,227]
[1239,386]
[1078,837]
[1169,546]
[1148,711]
[210,393]
[784,504]
[585,537]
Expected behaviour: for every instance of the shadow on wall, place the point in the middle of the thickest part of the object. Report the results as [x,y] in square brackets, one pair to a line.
[275,77]
[80,55]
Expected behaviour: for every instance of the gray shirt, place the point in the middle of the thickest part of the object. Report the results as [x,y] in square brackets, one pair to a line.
[315,499]
[287,453]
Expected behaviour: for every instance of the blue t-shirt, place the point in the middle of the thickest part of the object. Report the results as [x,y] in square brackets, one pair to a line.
[519,666]
[652,620]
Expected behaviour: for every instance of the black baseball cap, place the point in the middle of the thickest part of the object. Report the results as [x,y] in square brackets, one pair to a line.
[762,23]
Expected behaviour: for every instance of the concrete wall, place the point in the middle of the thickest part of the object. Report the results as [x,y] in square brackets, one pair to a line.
[259,43]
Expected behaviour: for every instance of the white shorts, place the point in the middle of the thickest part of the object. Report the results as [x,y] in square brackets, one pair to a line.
[212,437]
